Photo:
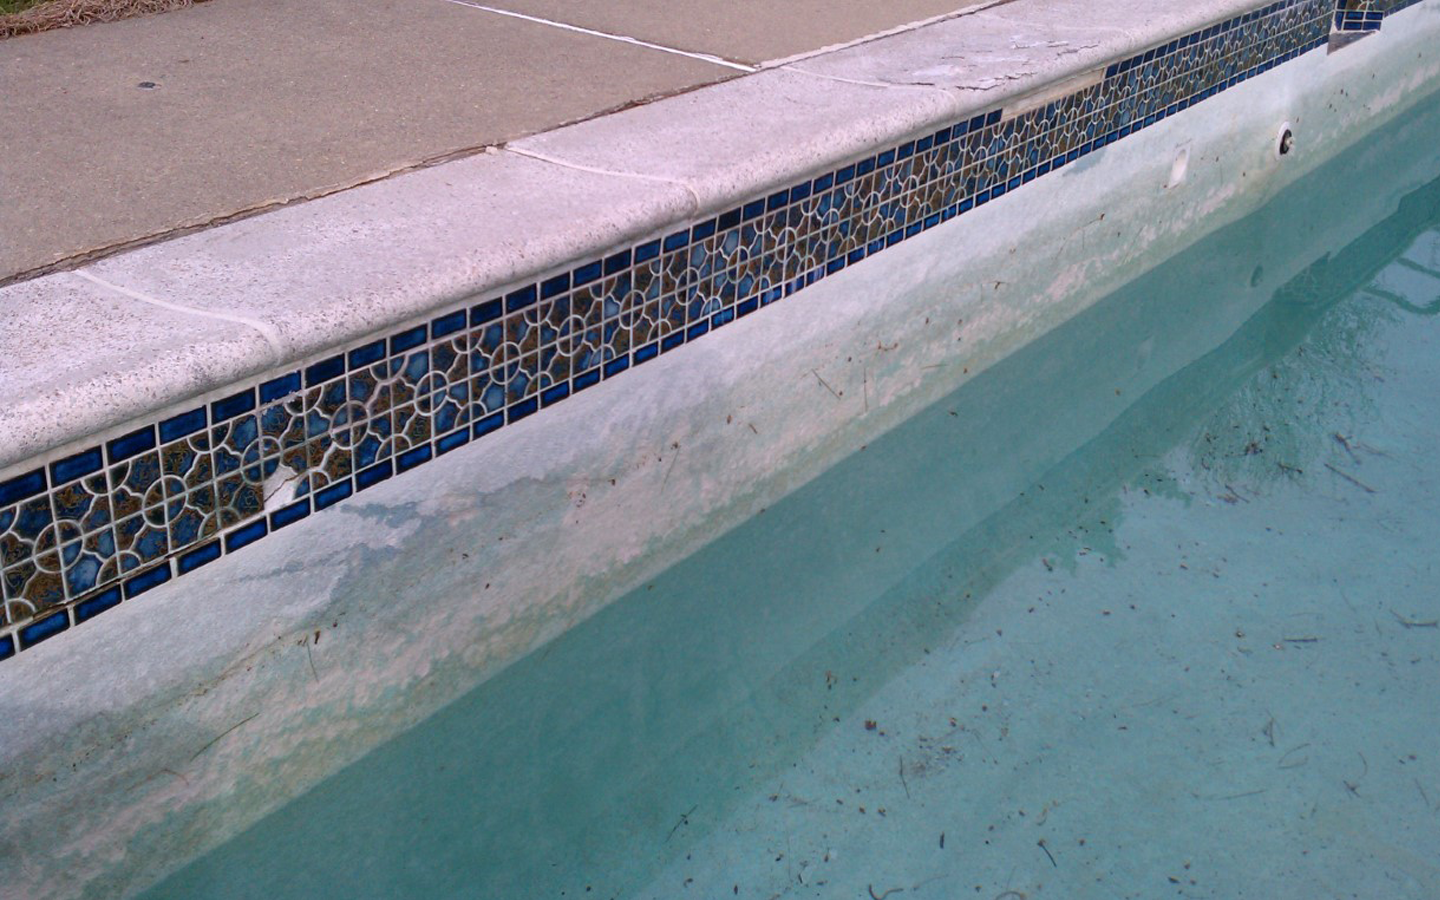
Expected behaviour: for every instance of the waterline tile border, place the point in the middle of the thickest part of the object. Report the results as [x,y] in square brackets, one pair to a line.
[104,525]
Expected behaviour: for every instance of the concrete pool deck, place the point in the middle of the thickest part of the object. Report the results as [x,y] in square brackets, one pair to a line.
[257,103]
[244,297]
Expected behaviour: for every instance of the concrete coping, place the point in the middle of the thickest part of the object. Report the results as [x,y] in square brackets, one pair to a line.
[85,352]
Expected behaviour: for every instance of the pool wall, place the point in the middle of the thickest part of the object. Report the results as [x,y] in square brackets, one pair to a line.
[200,702]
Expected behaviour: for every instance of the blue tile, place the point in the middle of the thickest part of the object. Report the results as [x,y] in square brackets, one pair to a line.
[324,370]
[129,445]
[333,494]
[452,441]
[587,273]
[522,409]
[412,458]
[22,486]
[7,647]
[44,629]
[246,534]
[183,425]
[289,515]
[523,298]
[552,287]
[77,466]
[617,365]
[233,405]
[488,311]
[677,240]
[554,394]
[447,324]
[488,424]
[139,584]
[586,379]
[194,559]
[94,606]
[276,388]
[364,356]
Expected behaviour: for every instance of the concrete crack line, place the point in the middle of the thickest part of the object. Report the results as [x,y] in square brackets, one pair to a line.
[898,29]
[595,170]
[624,39]
[267,331]
[925,86]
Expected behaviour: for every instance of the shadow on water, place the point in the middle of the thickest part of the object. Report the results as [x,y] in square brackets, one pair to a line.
[584,767]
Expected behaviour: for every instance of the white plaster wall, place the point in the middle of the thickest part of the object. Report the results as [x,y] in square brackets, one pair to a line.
[135,743]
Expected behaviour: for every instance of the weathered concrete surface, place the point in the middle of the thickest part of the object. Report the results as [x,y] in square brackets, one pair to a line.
[752,31]
[263,101]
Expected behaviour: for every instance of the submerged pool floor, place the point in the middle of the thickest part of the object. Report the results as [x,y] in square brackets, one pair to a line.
[1149,609]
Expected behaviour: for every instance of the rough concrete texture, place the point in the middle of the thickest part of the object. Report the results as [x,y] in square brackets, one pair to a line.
[426,584]
[257,102]
[313,276]
[75,353]
[751,31]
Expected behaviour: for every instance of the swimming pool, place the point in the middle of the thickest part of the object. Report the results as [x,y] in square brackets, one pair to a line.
[1143,610]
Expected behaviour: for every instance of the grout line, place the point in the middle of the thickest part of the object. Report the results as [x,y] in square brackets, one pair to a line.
[694,197]
[267,331]
[624,39]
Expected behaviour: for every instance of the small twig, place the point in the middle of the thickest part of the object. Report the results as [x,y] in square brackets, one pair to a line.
[907,787]
[1246,794]
[1288,753]
[1269,731]
[311,656]
[216,739]
[865,386]
[684,820]
[875,896]
[666,480]
[1413,623]
[1352,479]
[1041,844]
[1340,439]
[825,383]
[1353,786]
[1304,640]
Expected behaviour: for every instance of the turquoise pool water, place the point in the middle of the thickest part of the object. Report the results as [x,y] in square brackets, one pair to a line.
[1146,610]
